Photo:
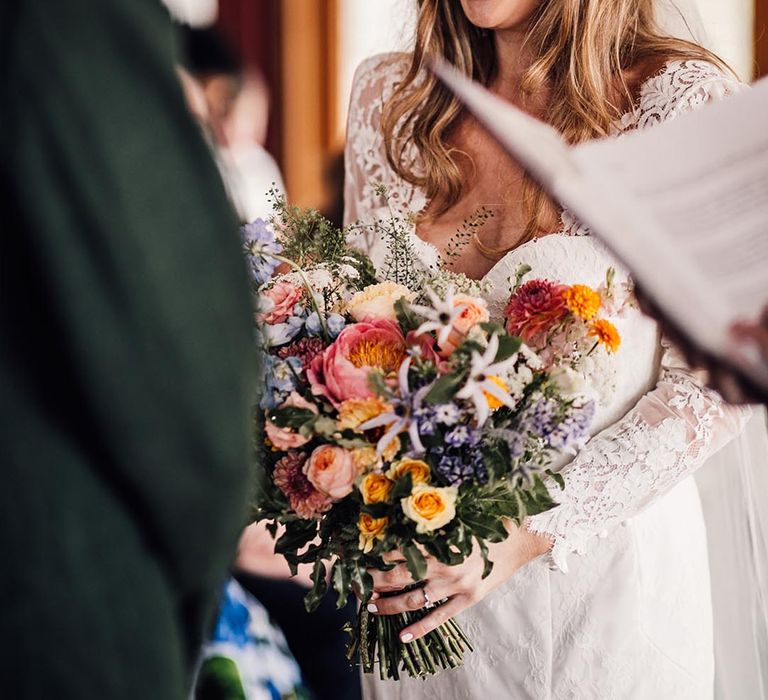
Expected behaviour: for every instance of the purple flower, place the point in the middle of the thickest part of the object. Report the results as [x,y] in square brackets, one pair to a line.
[425,419]
[463,436]
[515,443]
[447,413]
[541,418]
[261,247]
[573,430]
[458,466]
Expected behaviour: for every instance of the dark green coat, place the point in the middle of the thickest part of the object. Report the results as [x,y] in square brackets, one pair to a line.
[125,358]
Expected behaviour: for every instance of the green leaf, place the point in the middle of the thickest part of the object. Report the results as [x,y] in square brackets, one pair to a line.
[319,587]
[406,316]
[521,272]
[445,388]
[296,535]
[492,328]
[402,488]
[414,560]
[481,525]
[487,563]
[376,510]
[508,346]
[362,580]
[341,582]
[440,549]
[291,417]
[557,477]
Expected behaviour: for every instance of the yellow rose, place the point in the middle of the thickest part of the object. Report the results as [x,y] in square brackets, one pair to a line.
[430,507]
[366,459]
[418,470]
[375,488]
[371,529]
[355,412]
[378,301]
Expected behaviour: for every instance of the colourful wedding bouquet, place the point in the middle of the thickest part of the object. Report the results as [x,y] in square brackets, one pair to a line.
[395,418]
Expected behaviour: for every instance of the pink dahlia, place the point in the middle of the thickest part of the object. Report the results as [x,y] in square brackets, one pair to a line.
[305,500]
[535,308]
[306,349]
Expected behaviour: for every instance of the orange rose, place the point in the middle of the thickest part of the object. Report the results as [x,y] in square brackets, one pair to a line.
[418,470]
[371,529]
[375,488]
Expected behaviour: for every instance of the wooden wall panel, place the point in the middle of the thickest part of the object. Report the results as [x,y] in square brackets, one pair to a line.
[309,50]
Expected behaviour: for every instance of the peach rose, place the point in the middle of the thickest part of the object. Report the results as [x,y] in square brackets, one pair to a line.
[343,370]
[473,313]
[331,470]
[283,297]
[285,438]
[378,301]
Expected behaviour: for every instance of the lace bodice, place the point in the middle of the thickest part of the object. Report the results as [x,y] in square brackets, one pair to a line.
[661,423]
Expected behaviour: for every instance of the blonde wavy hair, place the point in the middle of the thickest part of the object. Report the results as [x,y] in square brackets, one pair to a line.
[583,49]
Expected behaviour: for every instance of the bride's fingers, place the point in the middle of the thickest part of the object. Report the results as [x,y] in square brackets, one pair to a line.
[436,618]
[408,600]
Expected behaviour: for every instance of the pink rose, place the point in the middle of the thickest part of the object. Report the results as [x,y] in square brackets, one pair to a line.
[283,297]
[331,470]
[535,308]
[285,438]
[342,371]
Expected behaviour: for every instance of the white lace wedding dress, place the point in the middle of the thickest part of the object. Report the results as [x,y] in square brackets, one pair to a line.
[630,617]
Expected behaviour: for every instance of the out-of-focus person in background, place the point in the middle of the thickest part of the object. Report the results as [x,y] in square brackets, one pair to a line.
[125,359]
[232,102]
[247,648]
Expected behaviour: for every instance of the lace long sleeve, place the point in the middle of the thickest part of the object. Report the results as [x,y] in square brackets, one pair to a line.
[669,433]
[673,429]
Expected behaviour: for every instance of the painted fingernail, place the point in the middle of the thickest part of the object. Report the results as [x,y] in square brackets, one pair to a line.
[372,608]
[407,637]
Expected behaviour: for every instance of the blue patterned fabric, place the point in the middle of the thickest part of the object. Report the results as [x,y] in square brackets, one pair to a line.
[247,657]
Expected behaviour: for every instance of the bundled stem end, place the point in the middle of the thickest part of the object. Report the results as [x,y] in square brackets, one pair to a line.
[377,639]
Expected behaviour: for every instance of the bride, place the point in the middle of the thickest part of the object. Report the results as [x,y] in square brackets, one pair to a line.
[630,616]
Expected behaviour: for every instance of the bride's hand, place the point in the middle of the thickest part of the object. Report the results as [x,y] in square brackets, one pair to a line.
[463,585]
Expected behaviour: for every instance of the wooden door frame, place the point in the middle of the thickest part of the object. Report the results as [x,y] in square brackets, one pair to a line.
[761,38]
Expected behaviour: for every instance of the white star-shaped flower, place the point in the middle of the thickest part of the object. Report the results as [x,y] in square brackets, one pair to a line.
[440,316]
[479,383]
